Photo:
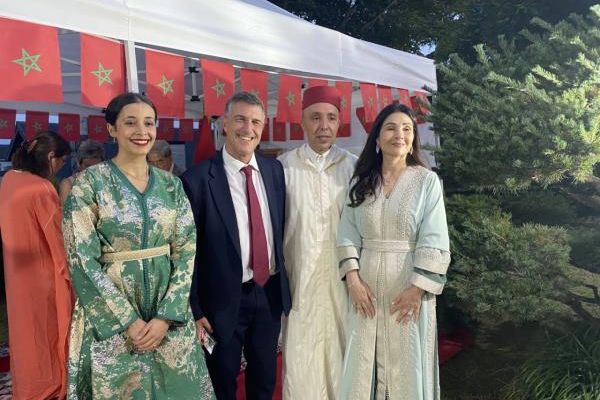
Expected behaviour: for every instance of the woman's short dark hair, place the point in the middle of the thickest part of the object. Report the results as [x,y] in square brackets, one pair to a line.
[116,105]
[367,175]
[32,155]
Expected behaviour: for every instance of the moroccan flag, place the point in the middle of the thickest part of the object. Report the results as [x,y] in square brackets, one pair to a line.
[205,147]
[217,81]
[360,113]
[384,93]
[256,82]
[96,125]
[312,82]
[344,131]
[69,127]
[420,105]
[289,104]
[7,123]
[35,122]
[102,70]
[278,131]
[186,129]
[164,83]
[296,132]
[29,62]
[404,97]
[345,89]
[369,97]
[265,133]
[165,130]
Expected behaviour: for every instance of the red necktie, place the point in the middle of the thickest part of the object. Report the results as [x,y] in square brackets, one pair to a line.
[259,255]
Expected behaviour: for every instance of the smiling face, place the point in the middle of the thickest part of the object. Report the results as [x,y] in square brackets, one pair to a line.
[134,129]
[396,135]
[243,126]
[321,122]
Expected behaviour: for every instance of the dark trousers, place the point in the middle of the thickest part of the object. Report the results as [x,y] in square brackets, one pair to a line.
[257,331]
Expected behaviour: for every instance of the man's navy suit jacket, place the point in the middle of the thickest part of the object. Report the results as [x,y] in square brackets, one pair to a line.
[217,281]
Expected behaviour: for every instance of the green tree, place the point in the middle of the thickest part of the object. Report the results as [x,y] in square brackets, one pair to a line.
[515,124]
[448,26]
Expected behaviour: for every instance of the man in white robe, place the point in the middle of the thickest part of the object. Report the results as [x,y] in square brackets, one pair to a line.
[317,175]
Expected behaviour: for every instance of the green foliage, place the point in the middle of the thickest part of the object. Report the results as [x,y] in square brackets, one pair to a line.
[501,272]
[450,26]
[585,247]
[518,117]
[540,206]
[568,369]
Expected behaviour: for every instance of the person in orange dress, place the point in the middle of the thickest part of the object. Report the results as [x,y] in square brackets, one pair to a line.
[38,291]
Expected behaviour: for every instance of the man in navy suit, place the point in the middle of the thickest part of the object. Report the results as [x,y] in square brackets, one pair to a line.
[240,287]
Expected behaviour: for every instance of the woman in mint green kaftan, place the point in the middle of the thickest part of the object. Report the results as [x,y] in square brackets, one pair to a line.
[131,256]
[397,241]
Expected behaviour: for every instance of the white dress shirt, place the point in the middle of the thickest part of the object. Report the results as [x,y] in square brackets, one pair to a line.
[237,187]
[317,159]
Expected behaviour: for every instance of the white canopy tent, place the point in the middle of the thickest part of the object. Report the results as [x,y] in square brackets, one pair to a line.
[252,33]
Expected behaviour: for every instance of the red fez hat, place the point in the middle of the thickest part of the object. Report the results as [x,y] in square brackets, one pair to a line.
[321,94]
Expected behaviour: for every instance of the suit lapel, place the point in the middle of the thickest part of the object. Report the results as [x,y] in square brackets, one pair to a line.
[221,194]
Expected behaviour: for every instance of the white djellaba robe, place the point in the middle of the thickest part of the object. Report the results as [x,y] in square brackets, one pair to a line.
[395,242]
[313,334]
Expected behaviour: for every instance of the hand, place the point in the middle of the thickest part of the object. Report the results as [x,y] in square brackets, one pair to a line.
[133,331]
[360,294]
[152,335]
[408,303]
[203,326]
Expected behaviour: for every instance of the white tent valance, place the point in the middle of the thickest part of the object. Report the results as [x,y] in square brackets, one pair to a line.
[242,31]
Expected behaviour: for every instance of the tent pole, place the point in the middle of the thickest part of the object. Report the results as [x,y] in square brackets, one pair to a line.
[131,65]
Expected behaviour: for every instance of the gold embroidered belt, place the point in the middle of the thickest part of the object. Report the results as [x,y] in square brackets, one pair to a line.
[132,255]
[388,246]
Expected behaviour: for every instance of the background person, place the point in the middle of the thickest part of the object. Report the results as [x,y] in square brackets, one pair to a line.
[130,237]
[90,152]
[38,295]
[393,249]
[161,156]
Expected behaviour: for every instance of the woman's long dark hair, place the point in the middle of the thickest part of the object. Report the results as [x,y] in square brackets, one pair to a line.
[32,156]
[367,175]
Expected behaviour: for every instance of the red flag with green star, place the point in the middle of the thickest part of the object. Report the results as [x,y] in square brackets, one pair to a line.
[205,146]
[29,62]
[96,125]
[164,83]
[289,104]
[369,97]
[165,129]
[102,70]
[7,123]
[217,81]
[186,129]
[404,97]
[35,122]
[256,82]
[345,89]
[385,96]
[68,127]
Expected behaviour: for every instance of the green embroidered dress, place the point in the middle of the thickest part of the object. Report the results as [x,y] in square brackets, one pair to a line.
[107,221]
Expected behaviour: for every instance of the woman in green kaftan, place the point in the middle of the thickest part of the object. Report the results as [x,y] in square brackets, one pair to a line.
[130,238]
